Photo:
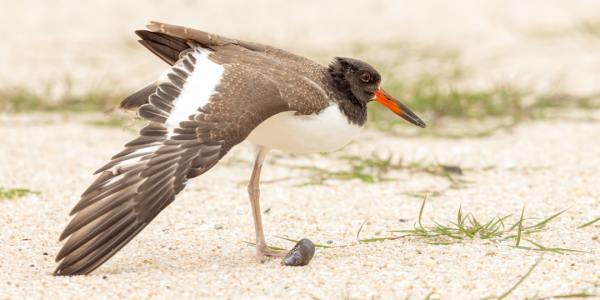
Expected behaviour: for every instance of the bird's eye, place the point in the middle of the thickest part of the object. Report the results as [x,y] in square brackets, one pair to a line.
[365,77]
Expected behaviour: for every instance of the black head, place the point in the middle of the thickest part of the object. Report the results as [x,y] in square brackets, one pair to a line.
[359,83]
[356,79]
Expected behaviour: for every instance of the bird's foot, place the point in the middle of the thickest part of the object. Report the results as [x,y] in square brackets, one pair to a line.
[263,253]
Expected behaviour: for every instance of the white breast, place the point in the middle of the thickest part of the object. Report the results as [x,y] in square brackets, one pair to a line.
[324,132]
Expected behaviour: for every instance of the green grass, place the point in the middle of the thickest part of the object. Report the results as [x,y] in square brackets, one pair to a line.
[468,227]
[586,293]
[15,193]
[577,295]
[24,101]
[519,229]
[436,103]
[590,223]
[482,112]
[371,169]
[520,281]
[21,100]
[375,168]
[275,248]
[438,99]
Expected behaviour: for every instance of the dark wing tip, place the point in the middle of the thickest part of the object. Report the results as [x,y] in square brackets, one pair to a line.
[138,98]
[142,33]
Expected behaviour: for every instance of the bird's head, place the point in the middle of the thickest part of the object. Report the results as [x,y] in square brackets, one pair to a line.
[360,82]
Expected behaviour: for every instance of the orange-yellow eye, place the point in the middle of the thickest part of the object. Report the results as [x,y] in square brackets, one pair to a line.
[365,77]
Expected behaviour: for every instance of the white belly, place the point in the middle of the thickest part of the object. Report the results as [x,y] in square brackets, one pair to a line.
[324,132]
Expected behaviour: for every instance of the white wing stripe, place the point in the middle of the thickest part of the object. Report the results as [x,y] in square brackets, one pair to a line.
[196,91]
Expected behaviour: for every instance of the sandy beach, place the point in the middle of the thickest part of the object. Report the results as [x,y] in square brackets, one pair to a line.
[197,247]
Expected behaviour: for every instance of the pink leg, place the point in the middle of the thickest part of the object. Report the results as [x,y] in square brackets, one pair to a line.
[262,250]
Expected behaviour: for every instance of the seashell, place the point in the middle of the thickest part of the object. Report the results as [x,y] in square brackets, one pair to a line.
[301,254]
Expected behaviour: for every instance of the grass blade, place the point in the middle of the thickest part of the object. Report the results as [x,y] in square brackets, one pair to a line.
[421,211]
[270,247]
[379,239]
[520,228]
[360,229]
[509,291]
[576,295]
[316,244]
[545,221]
[590,223]
[553,249]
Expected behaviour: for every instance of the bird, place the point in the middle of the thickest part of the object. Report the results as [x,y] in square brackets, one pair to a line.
[216,93]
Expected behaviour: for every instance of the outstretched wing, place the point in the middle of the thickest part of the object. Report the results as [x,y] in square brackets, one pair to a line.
[171,42]
[197,112]
[297,78]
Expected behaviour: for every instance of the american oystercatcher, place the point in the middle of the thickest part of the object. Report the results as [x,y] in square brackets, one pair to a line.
[217,93]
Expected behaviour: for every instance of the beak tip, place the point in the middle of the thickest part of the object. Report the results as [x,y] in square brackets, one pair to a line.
[420,124]
[414,119]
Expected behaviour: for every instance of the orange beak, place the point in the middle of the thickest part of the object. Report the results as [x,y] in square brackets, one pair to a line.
[398,108]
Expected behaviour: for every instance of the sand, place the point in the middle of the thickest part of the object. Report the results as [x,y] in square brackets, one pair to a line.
[196,247]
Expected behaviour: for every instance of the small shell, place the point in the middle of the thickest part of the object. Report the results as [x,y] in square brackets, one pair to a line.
[301,254]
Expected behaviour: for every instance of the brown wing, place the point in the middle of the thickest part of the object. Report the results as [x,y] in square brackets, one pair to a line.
[215,41]
[297,78]
[144,178]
